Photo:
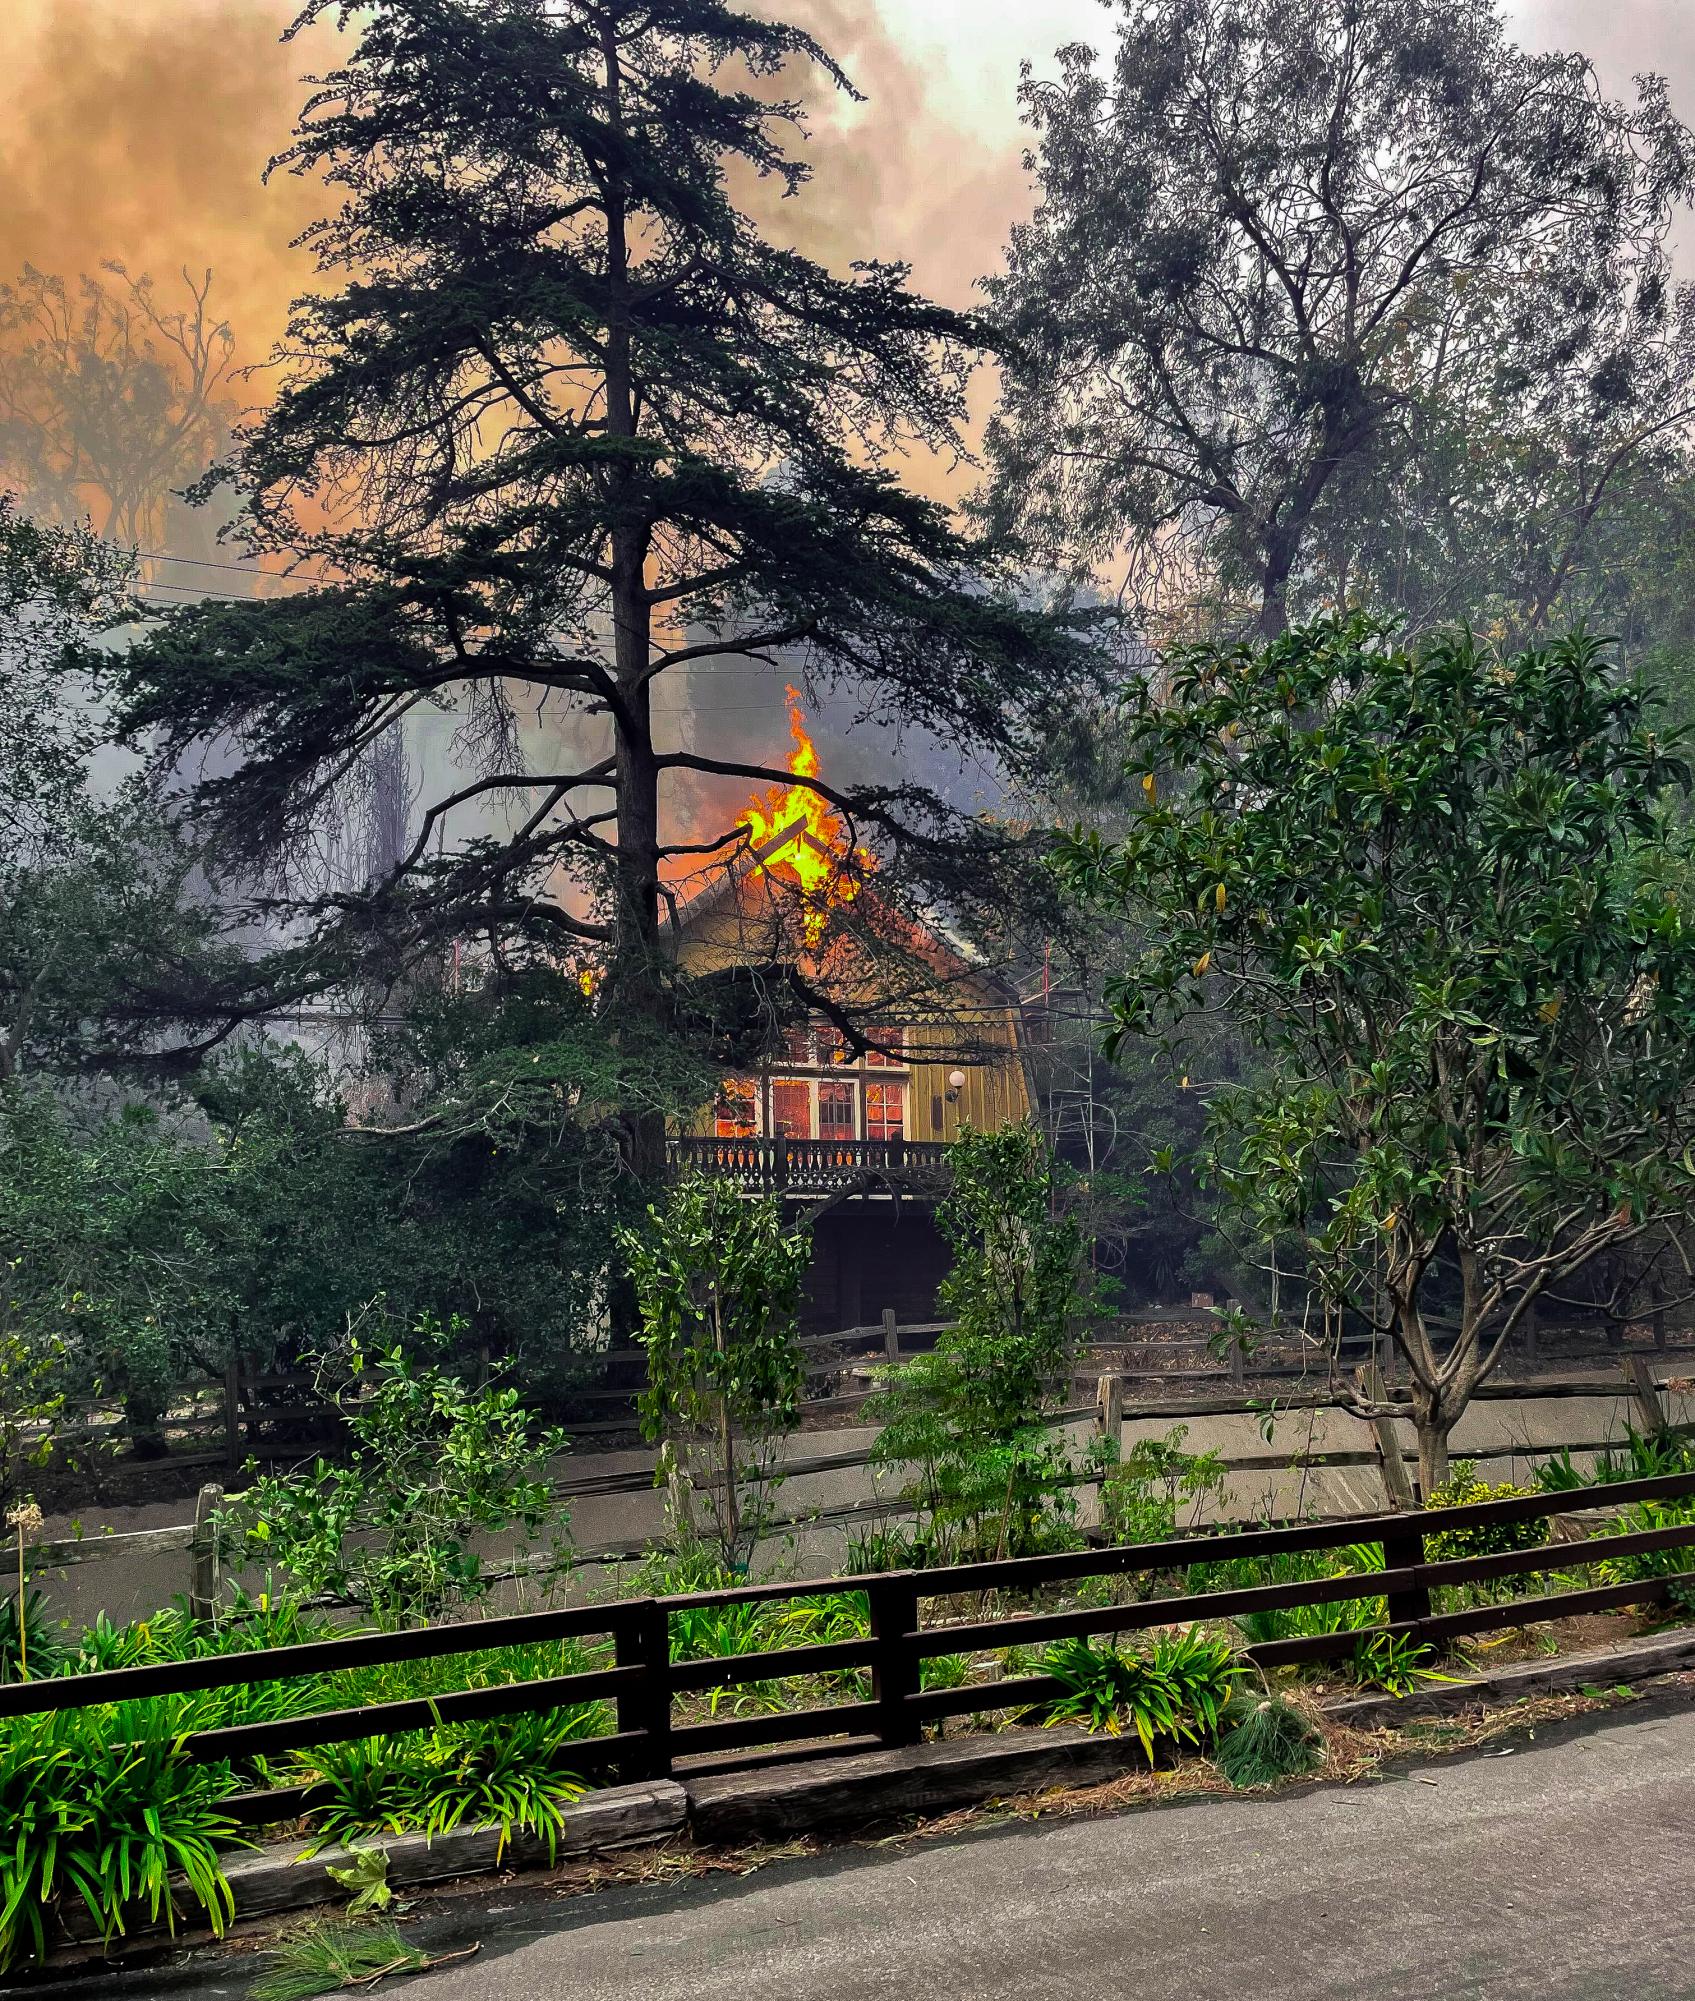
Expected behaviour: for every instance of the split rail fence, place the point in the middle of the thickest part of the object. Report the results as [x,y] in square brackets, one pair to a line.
[280,1416]
[644,1683]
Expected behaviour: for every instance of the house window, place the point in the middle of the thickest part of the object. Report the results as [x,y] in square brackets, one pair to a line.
[836,1110]
[893,1038]
[791,1108]
[885,1110]
[831,1045]
[796,1046]
[734,1111]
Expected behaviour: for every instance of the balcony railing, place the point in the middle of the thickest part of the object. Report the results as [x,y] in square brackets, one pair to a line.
[808,1166]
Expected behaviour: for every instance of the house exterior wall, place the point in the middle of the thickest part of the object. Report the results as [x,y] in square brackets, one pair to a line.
[969,1026]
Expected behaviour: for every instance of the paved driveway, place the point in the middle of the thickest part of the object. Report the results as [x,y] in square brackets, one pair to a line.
[1562,1870]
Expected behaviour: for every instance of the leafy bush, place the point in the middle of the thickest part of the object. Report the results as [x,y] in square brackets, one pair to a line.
[718,1279]
[1267,1740]
[1645,1456]
[1154,1484]
[965,1424]
[1648,1564]
[100,1807]
[1177,1690]
[432,1464]
[1463,1489]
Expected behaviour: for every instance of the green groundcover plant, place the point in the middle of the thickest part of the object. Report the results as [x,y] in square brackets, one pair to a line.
[1175,1691]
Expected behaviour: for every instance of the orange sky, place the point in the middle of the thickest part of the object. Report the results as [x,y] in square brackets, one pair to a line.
[137,129]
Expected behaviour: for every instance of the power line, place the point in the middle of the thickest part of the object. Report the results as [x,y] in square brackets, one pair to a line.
[241,569]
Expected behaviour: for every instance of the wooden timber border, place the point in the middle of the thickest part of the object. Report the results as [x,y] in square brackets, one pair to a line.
[644,1682]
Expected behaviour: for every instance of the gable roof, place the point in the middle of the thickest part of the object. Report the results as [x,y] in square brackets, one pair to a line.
[959,959]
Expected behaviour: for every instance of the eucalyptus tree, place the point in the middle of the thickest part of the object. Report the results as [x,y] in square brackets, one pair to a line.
[1337,301]
[561,426]
[1442,891]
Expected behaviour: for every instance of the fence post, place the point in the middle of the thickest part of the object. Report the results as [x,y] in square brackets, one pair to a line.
[642,1639]
[894,1666]
[891,1336]
[207,1564]
[1397,1487]
[780,1161]
[1532,1325]
[1109,1403]
[1403,1546]
[1238,1366]
[1646,1392]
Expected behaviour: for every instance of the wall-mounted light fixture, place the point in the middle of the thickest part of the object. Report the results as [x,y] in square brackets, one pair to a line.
[956,1084]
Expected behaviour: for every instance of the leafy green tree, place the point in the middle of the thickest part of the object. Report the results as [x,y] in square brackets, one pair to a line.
[96,915]
[718,1279]
[473,1170]
[1338,301]
[1443,892]
[563,427]
[432,1468]
[967,1419]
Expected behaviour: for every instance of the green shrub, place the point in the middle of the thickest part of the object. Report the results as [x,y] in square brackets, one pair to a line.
[965,1426]
[1156,1485]
[100,1807]
[509,1772]
[1644,1456]
[1647,1564]
[1382,1660]
[1463,1489]
[1177,1690]
[432,1465]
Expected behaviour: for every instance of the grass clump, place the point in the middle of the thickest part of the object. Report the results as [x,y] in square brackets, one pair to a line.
[332,1953]
[1267,1741]
[101,1808]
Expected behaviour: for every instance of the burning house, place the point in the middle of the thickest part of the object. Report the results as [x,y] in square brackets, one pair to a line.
[849,1114]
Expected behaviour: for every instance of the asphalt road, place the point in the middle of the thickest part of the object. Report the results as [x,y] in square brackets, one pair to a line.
[1564,1872]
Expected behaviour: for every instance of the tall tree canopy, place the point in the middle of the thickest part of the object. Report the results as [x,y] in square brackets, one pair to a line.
[1334,301]
[1440,890]
[569,427]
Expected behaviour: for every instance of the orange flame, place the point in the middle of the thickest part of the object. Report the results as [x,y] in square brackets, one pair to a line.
[818,855]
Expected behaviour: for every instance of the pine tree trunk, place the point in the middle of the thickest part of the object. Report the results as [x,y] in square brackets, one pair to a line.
[636,983]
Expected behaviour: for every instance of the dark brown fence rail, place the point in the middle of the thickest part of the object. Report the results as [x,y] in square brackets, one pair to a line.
[644,1681]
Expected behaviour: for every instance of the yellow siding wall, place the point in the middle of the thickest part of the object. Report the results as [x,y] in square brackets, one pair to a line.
[973,1029]
[995,1092]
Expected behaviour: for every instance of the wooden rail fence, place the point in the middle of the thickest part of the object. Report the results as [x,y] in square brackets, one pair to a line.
[644,1682]
[279,1415]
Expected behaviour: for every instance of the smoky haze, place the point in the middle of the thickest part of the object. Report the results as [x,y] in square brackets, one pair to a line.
[138,130]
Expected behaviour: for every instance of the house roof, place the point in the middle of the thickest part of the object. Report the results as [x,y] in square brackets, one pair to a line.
[965,960]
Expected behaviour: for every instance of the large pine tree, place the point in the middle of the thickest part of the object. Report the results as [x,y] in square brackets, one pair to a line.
[562,423]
